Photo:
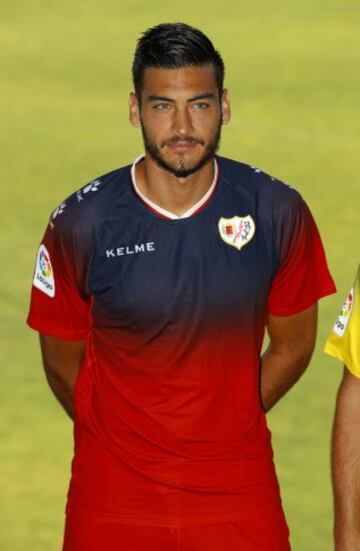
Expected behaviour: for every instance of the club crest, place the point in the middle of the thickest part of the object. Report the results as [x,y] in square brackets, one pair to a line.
[237,231]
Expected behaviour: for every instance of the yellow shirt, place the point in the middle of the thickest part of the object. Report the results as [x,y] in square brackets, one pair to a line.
[344,340]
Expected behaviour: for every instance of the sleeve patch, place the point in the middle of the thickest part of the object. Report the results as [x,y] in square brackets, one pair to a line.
[44,274]
[344,316]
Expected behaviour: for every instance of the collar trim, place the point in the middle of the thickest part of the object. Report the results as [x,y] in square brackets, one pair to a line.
[165,213]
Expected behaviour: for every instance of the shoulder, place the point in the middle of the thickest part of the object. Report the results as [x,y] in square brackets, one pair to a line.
[265,188]
[85,209]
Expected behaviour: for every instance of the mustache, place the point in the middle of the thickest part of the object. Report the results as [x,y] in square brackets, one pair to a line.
[186,139]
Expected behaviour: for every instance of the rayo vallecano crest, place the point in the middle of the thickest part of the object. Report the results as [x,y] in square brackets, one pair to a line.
[237,231]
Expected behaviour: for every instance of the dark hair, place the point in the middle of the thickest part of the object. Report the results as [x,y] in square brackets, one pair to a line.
[173,46]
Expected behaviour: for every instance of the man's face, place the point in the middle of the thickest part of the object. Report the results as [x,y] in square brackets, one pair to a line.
[180,117]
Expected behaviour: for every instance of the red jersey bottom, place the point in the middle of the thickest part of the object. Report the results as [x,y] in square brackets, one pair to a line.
[268,533]
[105,489]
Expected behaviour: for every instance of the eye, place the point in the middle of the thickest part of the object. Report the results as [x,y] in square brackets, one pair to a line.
[162,106]
[200,106]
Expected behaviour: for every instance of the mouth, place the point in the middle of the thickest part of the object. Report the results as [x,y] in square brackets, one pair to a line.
[181,145]
[188,140]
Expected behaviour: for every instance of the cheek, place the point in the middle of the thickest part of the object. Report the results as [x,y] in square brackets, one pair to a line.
[157,126]
[207,121]
[208,128]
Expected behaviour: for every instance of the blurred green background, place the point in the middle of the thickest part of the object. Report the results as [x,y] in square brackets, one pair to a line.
[293,73]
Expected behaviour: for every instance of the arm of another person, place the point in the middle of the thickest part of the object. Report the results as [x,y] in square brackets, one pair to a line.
[62,360]
[346,464]
[292,341]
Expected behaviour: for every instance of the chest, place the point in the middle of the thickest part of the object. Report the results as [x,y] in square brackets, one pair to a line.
[153,269]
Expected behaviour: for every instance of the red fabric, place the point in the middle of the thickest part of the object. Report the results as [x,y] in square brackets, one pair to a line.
[66,315]
[303,277]
[105,488]
[169,427]
[267,533]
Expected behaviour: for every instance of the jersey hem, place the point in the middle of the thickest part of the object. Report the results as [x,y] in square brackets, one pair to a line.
[55,331]
[335,352]
[171,522]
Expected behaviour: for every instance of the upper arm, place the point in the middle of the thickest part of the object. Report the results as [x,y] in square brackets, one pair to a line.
[61,358]
[348,398]
[296,334]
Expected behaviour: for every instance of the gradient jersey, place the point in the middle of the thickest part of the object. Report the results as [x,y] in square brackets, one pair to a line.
[169,426]
[344,340]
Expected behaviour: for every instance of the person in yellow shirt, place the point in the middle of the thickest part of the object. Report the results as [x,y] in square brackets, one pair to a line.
[344,344]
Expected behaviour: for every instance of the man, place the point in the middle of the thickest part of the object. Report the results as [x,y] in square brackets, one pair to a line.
[344,344]
[153,288]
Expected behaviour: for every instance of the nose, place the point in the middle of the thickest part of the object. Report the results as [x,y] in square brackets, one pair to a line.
[182,122]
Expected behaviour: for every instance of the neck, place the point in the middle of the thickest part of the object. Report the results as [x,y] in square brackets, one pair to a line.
[176,195]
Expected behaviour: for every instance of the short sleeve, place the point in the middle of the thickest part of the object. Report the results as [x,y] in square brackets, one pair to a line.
[59,303]
[303,276]
[344,340]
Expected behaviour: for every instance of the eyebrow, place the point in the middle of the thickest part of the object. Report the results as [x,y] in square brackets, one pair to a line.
[207,95]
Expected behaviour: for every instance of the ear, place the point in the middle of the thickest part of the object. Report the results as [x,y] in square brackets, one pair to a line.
[134,110]
[225,107]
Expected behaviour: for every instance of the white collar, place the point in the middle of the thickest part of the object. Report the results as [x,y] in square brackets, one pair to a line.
[165,212]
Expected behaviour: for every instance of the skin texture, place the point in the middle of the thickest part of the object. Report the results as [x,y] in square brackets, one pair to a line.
[62,360]
[346,464]
[292,341]
[182,128]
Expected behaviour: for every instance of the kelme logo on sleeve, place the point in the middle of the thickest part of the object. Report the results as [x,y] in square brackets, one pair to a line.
[44,275]
[344,316]
[237,231]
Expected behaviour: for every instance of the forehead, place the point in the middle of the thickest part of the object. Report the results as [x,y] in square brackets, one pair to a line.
[185,81]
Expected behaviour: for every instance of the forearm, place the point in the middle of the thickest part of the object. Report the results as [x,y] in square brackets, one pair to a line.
[279,372]
[346,465]
[292,341]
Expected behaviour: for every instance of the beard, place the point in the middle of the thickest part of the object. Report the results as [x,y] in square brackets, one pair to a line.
[182,168]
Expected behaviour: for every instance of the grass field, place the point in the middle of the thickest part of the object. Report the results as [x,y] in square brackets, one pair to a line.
[293,72]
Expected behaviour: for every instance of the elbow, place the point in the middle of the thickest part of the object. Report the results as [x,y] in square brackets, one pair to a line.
[52,375]
[302,348]
[49,368]
[302,357]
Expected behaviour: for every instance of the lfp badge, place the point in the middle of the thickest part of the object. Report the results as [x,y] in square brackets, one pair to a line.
[44,275]
[44,263]
[237,231]
[344,316]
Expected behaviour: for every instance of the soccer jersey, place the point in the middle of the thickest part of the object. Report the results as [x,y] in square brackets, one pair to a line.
[169,426]
[344,340]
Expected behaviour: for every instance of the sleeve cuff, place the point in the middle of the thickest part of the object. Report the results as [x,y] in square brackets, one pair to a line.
[286,311]
[59,332]
[339,354]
